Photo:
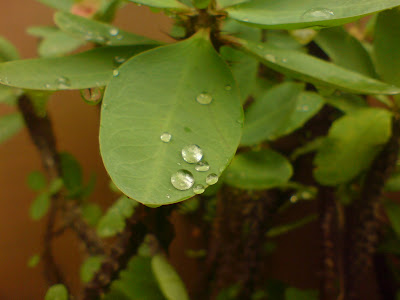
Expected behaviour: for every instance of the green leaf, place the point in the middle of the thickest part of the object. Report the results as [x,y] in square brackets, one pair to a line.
[230,292]
[39,100]
[162,3]
[393,212]
[7,50]
[40,206]
[64,5]
[55,186]
[386,45]
[90,186]
[10,125]
[283,229]
[289,14]
[169,281]
[159,93]
[345,50]
[296,294]
[34,261]
[258,170]
[8,95]
[72,173]
[58,43]
[351,145]
[137,282]
[80,71]
[113,221]
[225,3]
[201,3]
[57,292]
[317,71]
[270,113]
[97,32]
[41,31]
[37,181]
[92,213]
[89,267]
[347,103]
[393,184]
[309,147]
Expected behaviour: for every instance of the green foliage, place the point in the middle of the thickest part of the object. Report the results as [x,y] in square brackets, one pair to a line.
[7,50]
[71,173]
[351,145]
[89,267]
[296,294]
[10,125]
[161,3]
[393,184]
[91,213]
[393,212]
[160,95]
[58,43]
[34,261]
[57,292]
[64,5]
[40,206]
[36,181]
[283,229]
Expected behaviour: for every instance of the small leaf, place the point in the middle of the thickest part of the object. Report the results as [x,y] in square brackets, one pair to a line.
[351,145]
[41,31]
[10,125]
[283,229]
[309,147]
[40,206]
[345,50]
[97,32]
[7,50]
[162,3]
[8,95]
[393,212]
[57,292]
[92,213]
[89,188]
[169,281]
[317,71]
[289,14]
[80,71]
[37,181]
[55,186]
[58,43]
[154,109]
[72,173]
[258,170]
[89,267]
[296,294]
[34,261]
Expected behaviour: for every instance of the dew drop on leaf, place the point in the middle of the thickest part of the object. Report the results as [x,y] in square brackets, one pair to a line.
[114,31]
[192,154]
[212,179]
[270,57]
[198,189]
[202,166]
[92,96]
[204,98]
[115,73]
[228,87]
[319,13]
[166,137]
[182,180]
[294,199]
[63,82]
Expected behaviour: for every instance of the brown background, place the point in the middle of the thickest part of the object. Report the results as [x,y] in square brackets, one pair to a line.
[76,127]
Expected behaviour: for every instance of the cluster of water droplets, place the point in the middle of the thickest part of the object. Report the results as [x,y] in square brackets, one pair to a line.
[107,38]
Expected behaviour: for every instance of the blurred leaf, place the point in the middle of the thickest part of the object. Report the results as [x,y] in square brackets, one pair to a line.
[89,267]
[72,174]
[351,145]
[393,184]
[37,181]
[296,294]
[226,3]
[92,213]
[90,186]
[8,95]
[309,147]
[390,246]
[34,261]
[286,228]
[97,32]
[201,3]
[162,3]
[347,103]
[168,280]
[39,100]
[258,170]
[10,125]
[40,206]
[282,39]
[7,50]
[393,212]
[229,293]
[288,14]
[41,31]
[345,50]
[314,70]
[55,186]
[58,43]
[80,71]
[189,206]
[57,292]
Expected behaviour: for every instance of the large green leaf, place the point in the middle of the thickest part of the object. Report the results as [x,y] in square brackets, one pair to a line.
[269,113]
[258,170]
[345,50]
[58,43]
[97,32]
[157,94]
[311,69]
[10,125]
[387,44]
[352,143]
[80,71]
[292,14]
[162,3]
[168,279]
[7,50]
[137,282]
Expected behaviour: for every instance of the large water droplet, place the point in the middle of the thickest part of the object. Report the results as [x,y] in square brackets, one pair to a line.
[92,96]
[212,179]
[192,154]
[316,14]
[204,98]
[113,31]
[198,189]
[182,180]
[115,73]
[166,137]
[63,82]
[202,166]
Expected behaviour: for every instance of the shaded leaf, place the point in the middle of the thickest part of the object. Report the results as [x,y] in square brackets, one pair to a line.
[36,181]
[57,292]
[89,267]
[40,206]
[159,93]
[7,50]
[55,186]
[393,212]
[347,103]
[92,213]
[283,229]
[72,173]
[258,170]
[296,294]
[9,125]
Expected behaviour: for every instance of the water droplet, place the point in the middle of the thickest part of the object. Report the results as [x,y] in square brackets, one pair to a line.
[198,189]
[47,85]
[306,195]
[92,96]
[113,31]
[284,60]
[304,108]
[270,57]
[245,19]
[63,82]
[293,199]
[192,154]
[315,14]
[212,179]
[228,87]
[166,137]
[204,98]
[115,73]
[182,180]
[202,166]
[168,196]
